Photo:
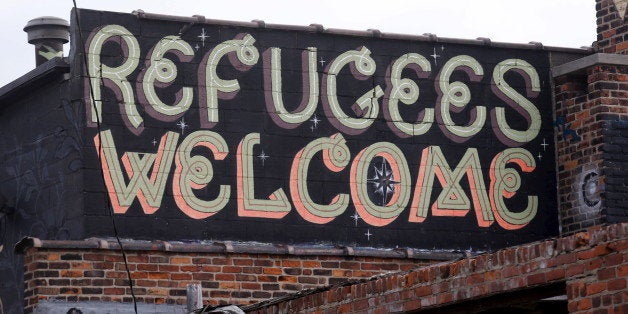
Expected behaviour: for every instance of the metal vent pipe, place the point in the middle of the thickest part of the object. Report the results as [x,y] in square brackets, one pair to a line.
[48,34]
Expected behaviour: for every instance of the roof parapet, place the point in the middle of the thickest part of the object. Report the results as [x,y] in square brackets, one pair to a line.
[240,247]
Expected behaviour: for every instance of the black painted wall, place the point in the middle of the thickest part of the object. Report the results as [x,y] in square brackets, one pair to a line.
[41,173]
[245,111]
[615,132]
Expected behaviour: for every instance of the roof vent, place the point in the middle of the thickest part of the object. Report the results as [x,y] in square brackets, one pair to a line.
[48,34]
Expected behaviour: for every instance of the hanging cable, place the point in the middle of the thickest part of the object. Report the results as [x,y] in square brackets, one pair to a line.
[99,150]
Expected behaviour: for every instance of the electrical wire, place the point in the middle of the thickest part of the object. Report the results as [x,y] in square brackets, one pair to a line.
[99,148]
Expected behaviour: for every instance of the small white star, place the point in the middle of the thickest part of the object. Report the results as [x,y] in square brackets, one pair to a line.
[539,156]
[322,62]
[544,144]
[442,48]
[203,36]
[435,56]
[368,234]
[312,128]
[315,120]
[356,217]
[197,47]
[182,125]
[263,157]
[154,141]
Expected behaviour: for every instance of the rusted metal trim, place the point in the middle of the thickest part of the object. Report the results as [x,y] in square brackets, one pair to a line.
[238,247]
[368,33]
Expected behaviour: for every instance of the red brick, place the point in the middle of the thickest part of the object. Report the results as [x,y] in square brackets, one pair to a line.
[116,291]
[242,262]
[475,279]
[597,251]
[225,277]
[202,276]
[606,273]
[411,305]
[229,285]
[267,278]
[291,263]
[206,268]
[617,284]
[555,274]
[584,304]
[201,260]
[196,268]
[169,268]
[311,264]
[221,261]
[231,269]
[180,260]
[71,273]
[574,270]
[272,271]
[157,275]
[93,257]
[595,288]
[423,291]
[360,304]
[180,276]
[137,259]
[251,286]
[536,279]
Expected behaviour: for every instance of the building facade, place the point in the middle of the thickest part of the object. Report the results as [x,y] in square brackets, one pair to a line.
[260,160]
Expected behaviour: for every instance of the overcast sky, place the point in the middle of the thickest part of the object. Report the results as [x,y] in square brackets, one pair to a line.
[564,23]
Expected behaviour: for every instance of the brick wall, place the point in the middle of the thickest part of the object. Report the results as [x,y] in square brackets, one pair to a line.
[162,277]
[593,265]
[611,27]
[591,117]
[591,110]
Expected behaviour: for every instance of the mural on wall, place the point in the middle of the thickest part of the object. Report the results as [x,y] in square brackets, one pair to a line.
[588,186]
[235,133]
[565,130]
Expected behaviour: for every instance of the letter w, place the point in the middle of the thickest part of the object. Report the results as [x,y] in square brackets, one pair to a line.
[149,188]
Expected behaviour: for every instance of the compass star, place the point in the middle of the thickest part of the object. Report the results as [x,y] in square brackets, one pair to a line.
[383,181]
